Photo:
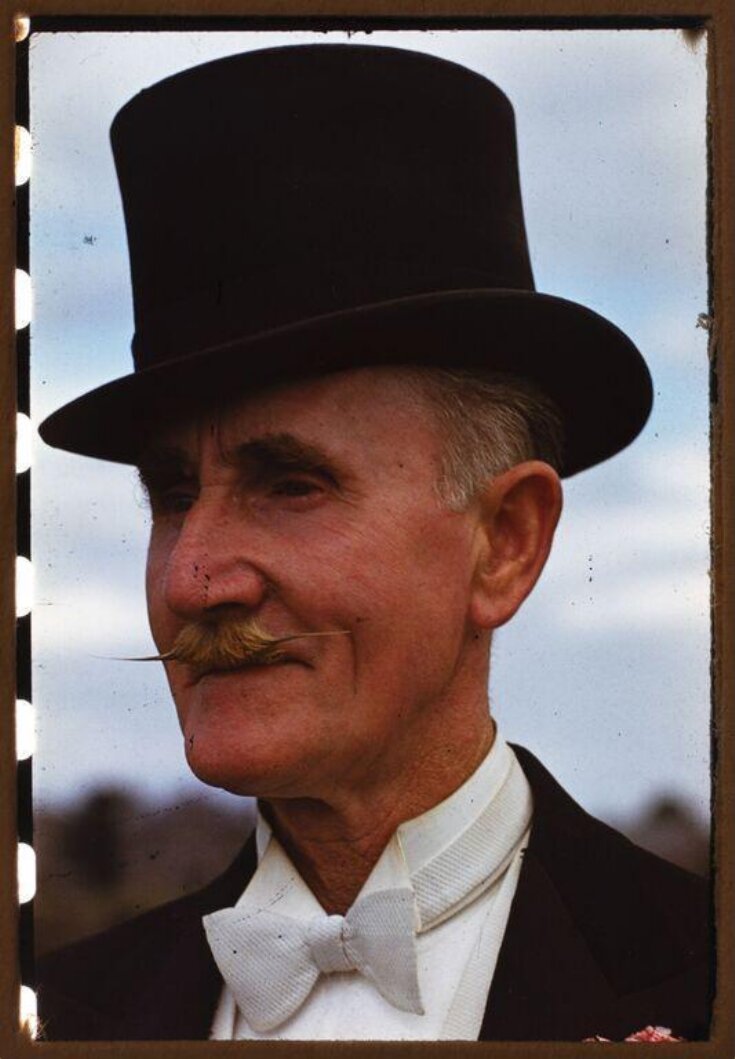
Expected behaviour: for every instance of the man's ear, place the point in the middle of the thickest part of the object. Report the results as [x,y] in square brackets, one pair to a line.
[518,513]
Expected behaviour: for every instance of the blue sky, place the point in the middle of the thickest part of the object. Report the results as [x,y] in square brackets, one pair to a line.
[605,672]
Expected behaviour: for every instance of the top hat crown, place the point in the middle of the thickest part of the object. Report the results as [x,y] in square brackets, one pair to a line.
[310,208]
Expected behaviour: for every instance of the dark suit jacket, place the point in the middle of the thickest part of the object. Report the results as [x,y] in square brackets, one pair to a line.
[603,938]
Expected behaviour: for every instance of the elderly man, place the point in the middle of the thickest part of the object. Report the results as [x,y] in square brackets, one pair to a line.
[350,410]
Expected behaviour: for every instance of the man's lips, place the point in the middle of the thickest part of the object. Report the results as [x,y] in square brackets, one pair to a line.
[197,675]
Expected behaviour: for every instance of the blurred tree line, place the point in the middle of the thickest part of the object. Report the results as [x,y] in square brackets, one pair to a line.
[111,856]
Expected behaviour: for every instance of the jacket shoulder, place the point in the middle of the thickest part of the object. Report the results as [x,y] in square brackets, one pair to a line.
[628,900]
[645,923]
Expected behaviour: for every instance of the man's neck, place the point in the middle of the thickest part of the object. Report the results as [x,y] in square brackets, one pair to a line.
[335,848]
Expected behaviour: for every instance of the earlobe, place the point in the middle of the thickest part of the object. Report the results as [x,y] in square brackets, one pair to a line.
[519,512]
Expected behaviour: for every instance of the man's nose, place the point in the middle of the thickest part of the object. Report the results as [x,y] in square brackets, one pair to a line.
[212,563]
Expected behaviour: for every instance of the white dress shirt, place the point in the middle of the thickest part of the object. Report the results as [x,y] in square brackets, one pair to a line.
[462,860]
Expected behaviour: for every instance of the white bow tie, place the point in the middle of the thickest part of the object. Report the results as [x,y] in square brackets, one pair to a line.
[271,962]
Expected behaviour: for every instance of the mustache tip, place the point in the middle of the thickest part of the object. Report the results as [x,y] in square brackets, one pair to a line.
[227,645]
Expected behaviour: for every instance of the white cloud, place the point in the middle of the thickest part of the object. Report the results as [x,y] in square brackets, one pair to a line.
[651,603]
[633,552]
[681,472]
[95,618]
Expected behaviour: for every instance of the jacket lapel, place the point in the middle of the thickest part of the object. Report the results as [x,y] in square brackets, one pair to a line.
[602,938]
[546,974]
[546,986]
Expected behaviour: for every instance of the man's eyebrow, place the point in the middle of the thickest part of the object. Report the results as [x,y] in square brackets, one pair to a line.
[264,456]
[278,453]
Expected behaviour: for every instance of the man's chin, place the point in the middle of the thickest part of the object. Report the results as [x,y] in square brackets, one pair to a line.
[245,774]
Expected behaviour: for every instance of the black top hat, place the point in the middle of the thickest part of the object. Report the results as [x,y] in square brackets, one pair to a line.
[305,209]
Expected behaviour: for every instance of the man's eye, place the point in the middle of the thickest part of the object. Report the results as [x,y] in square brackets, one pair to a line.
[294,487]
[172,501]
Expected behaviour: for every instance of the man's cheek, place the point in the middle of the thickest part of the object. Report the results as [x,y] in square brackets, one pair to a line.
[159,618]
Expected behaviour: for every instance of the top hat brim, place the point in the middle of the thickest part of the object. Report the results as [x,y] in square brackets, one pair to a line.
[587,365]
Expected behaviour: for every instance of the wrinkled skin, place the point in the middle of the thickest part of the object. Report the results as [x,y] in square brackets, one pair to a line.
[314,507]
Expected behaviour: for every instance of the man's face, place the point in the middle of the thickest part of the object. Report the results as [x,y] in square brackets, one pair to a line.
[313,508]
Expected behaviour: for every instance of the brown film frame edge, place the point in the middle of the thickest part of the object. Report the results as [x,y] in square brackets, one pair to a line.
[718,17]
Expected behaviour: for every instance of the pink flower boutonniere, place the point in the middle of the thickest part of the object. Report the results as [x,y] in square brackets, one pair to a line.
[648,1035]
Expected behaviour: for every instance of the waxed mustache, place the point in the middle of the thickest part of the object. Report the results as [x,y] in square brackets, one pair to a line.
[229,644]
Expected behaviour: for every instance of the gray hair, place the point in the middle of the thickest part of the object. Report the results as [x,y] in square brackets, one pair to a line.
[490,421]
